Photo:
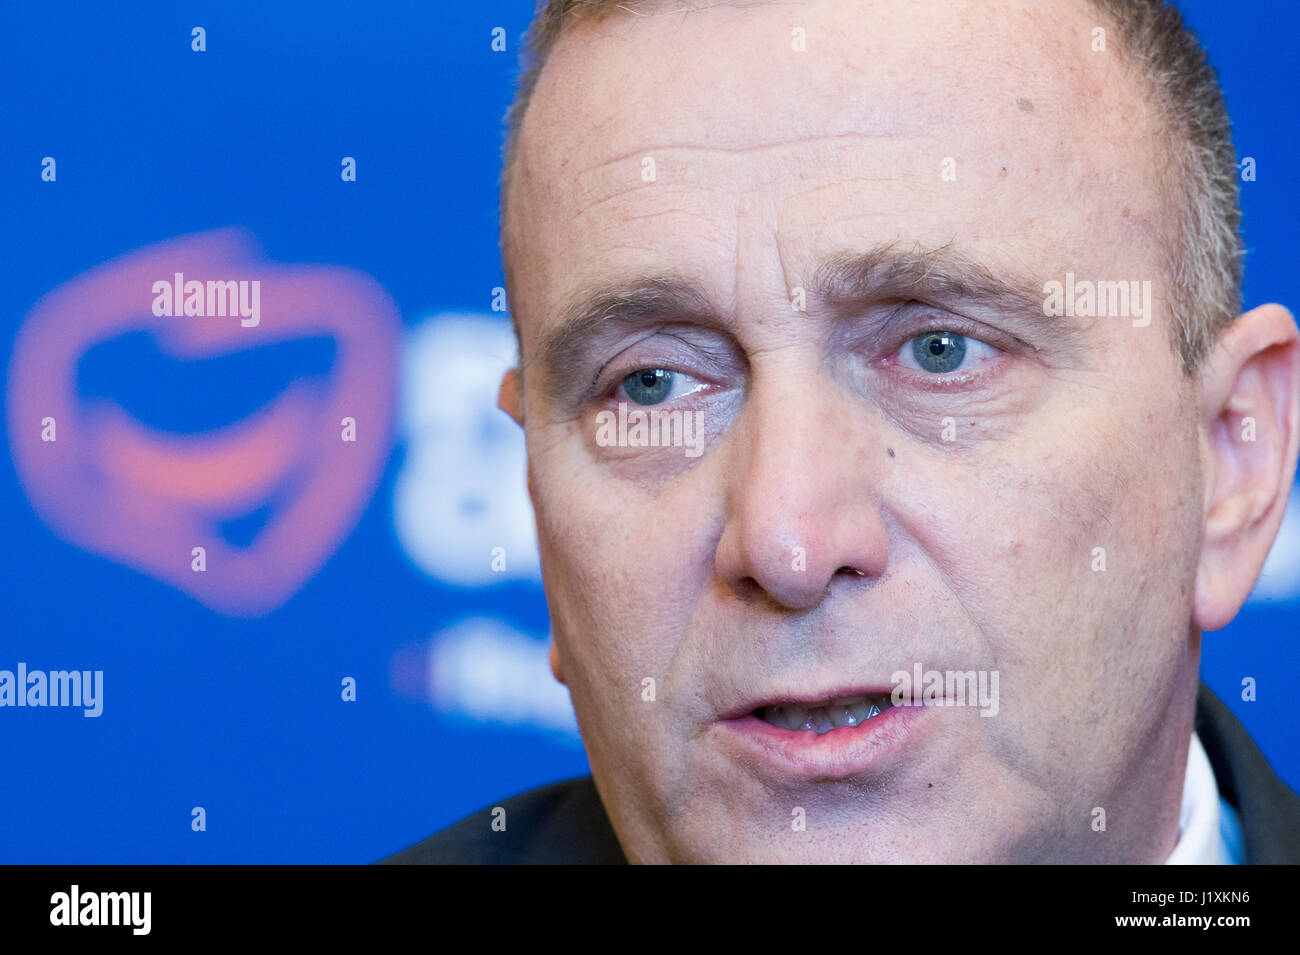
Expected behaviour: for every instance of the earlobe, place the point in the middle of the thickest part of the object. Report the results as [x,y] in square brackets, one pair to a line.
[508,397]
[1250,419]
[555,661]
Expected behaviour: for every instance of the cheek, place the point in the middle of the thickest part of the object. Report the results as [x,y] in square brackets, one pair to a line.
[1087,516]
[623,566]
[1071,547]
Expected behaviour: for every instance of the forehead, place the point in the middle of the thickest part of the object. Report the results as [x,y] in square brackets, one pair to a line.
[670,139]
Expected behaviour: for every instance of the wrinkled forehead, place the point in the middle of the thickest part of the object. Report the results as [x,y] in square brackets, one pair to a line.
[1000,126]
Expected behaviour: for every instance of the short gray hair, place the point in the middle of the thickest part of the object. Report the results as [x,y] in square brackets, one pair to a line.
[1204,253]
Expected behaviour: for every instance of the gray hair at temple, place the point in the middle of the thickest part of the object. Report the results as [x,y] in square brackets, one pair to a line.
[1203,250]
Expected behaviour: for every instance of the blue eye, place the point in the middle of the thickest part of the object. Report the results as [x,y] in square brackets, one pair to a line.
[651,386]
[942,352]
[648,386]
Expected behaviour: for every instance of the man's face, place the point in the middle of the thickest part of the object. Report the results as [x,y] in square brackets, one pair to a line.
[922,469]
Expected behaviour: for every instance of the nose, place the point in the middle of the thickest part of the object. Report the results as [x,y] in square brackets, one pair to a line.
[803,508]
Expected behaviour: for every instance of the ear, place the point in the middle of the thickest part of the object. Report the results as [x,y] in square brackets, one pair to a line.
[1250,419]
[556,669]
[509,398]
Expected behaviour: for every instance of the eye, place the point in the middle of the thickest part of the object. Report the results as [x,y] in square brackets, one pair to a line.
[943,352]
[651,386]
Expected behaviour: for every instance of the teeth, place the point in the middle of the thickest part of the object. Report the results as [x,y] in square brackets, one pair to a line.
[847,711]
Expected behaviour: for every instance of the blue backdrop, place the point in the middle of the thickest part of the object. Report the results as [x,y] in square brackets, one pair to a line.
[229,695]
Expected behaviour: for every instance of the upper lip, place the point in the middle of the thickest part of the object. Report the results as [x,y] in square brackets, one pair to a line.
[805,700]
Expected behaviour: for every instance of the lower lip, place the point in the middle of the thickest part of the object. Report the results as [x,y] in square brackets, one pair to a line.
[841,753]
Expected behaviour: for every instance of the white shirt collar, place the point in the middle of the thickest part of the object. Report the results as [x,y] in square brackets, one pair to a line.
[1209,831]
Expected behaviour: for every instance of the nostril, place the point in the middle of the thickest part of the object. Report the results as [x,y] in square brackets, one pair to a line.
[851,570]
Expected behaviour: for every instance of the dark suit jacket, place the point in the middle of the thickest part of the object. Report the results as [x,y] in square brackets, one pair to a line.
[565,823]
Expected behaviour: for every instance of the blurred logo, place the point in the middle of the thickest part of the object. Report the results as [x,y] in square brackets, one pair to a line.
[461,501]
[301,466]
[463,516]
[483,670]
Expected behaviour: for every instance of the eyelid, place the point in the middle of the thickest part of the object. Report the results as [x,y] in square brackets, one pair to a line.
[596,389]
[931,319]
[617,383]
[909,320]
[686,358]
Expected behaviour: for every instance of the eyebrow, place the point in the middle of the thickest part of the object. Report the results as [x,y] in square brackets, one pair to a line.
[848,280]
[841,284]
[642,302]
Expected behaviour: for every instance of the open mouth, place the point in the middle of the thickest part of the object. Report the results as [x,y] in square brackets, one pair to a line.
[822,718]
[831,733]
